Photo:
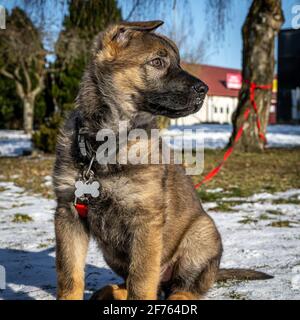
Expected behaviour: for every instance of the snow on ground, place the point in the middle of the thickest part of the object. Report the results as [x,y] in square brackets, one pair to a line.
[250,240]
[27,248]
[14,143]
[213,136]
[217,135]
[265,236]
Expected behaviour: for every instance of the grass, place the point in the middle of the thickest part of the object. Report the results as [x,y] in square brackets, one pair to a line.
[264,216]
[248,220]
[291,200]
[19,205]
[281,224]
[28,173]
[46,244]
[21,218]
[223,207]
[236,296]
[274,212]
[243,175]
[231,191]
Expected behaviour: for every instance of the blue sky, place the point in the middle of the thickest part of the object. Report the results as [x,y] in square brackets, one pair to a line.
[229,52]
[226,51]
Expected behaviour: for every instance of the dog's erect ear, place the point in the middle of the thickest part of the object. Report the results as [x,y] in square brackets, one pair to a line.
[118,36]
[141,25]
[123,32]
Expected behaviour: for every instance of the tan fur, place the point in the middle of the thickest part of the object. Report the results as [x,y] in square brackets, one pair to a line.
[71,250]
[148,220]
[182,296]
[128,80]
[143,280]
[111,292]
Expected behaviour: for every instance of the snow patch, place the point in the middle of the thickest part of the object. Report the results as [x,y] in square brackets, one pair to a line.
[27,249]
[217,136]
[14,143]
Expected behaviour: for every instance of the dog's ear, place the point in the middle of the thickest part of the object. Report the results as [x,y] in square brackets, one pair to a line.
[118,36]
[125,30]
[141,25]
[98,43]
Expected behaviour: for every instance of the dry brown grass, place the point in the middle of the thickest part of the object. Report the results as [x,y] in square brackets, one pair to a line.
[28,173]
[244,174]
[247,173]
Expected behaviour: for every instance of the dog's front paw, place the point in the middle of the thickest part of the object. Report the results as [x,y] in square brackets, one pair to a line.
[111,292]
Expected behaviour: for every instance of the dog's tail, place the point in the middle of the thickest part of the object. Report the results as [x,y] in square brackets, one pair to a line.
[241,274]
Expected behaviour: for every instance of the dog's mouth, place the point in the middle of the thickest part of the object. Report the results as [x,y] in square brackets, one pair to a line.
[172,103]
[192,106]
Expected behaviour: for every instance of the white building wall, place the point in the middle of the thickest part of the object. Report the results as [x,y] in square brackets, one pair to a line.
[215,109]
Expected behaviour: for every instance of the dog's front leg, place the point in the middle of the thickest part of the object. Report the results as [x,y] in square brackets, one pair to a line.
[71,247]
[144,272]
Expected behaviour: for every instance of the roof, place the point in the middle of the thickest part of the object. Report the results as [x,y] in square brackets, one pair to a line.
[214,77]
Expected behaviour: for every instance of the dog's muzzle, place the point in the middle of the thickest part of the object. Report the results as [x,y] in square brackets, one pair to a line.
[201,89]
[199,92]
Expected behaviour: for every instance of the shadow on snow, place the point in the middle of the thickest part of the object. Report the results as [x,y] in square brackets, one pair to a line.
[35,271]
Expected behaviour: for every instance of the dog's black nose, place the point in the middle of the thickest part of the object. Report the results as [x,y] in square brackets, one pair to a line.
[201,88]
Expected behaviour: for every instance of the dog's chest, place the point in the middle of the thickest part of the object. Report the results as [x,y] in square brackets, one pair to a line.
[121,207]
[109,228]
[113,214]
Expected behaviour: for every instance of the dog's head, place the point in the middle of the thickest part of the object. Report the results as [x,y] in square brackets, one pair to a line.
[140,71]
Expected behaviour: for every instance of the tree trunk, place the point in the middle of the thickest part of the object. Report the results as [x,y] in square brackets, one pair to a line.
[259,31]
[28,108]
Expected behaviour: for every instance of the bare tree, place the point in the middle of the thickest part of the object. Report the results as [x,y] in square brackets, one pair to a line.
[217,16]
[180,29]
[259,31]
[22,59]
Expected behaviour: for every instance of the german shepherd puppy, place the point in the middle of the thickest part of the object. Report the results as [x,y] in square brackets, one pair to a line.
[148,220]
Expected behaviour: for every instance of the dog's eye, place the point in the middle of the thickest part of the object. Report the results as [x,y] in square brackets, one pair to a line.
[157,63]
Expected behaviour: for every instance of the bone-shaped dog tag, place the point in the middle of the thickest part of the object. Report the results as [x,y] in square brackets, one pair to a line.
[87,187]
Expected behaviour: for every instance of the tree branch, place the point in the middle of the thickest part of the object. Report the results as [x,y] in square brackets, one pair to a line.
[6,74]
[134,7]
[27,78]
[17,74]
[40,85]
[20,90]
[19,87]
